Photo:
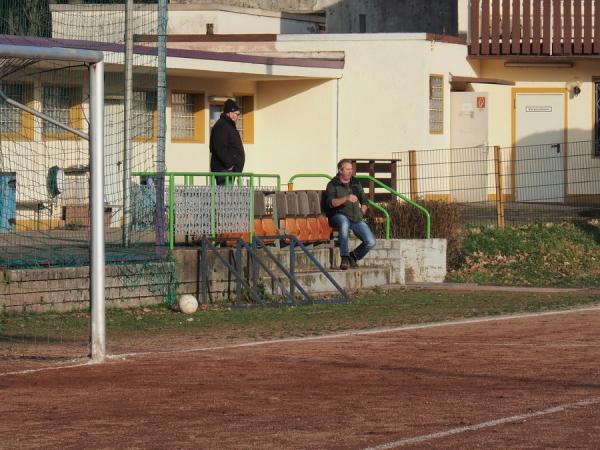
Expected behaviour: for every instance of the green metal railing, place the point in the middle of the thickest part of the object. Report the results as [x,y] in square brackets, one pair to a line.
[231,179]
[375,205]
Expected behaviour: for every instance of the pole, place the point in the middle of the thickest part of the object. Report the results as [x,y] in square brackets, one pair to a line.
[161,132]
[97,260]
[412,173]
[499,202]
[127,111]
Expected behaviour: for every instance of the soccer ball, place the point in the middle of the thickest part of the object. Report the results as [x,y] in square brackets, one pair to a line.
[188,304]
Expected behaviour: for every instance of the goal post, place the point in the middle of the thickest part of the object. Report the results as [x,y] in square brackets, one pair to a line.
[24,55]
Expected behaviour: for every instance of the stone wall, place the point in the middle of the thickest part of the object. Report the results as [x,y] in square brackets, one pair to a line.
[67,288]
[396,261]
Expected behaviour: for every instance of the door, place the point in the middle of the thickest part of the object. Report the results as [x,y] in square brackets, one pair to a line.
[8,202]
[540,124]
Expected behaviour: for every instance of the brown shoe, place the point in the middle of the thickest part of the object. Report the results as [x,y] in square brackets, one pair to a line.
[353,262]
[345,263]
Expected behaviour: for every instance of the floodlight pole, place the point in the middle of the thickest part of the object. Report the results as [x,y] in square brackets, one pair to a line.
[98,323]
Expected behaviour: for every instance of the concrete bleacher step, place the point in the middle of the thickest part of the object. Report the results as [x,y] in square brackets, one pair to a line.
[350,280]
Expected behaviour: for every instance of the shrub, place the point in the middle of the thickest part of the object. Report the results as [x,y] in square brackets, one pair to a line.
[407,222]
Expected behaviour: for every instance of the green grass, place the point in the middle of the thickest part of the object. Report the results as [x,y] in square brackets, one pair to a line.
[542,254]
[368,311]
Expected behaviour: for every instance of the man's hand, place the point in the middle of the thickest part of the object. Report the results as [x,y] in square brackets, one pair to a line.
[364,208]
[347,198]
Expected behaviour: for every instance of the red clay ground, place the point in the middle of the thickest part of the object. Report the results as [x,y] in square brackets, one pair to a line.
[357,391]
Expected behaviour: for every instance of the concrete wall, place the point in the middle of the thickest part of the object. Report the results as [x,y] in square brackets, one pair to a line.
[384,91]
[296,129]
[390,16]
[67,289]
[190,21]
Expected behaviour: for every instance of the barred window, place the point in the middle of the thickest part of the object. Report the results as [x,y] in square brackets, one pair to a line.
[436,104]
[11,118]
[144,115]
[187,118]
[245,122]
[62,103]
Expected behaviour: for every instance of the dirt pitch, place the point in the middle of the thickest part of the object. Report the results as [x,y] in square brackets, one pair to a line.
[529,382]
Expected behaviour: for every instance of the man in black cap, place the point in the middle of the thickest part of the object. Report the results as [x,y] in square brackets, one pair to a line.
[226,148]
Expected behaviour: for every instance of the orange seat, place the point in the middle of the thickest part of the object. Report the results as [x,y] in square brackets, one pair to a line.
[269,227]
[291,226]
[304,231]
[326,230]
[258,228]
[315,229]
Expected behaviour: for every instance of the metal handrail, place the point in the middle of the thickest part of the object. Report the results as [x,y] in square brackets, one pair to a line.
[375,205]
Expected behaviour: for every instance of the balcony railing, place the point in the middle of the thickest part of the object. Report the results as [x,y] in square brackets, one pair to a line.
[535,28]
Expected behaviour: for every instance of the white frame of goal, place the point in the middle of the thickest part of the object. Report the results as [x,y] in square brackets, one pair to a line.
[95,61]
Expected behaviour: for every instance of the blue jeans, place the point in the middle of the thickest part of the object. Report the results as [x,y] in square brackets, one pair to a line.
[360,229]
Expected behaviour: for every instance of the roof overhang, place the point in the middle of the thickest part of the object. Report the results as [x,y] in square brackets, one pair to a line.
[478,80]
[205,63]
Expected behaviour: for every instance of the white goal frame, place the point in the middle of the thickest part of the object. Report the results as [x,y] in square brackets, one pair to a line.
[95,137]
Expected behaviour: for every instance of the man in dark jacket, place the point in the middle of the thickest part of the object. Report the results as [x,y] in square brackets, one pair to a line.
[346,203]
[226,148]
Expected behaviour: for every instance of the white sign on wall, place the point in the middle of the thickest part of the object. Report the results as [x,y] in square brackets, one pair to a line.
[535,109]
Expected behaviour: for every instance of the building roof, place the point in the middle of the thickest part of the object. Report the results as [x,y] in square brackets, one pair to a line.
[231,62]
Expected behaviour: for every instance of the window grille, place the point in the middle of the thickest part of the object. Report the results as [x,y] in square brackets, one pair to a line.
[436,104]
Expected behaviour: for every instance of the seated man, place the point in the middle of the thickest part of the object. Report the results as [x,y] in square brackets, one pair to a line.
[345,203]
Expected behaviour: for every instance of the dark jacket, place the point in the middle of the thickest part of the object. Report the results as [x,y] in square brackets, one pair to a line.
[336,189]
[226,148]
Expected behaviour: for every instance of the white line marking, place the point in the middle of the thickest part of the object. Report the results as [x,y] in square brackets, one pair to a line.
[491,423]
[124,356]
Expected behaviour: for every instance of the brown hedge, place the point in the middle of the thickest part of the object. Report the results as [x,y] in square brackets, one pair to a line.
[407,222]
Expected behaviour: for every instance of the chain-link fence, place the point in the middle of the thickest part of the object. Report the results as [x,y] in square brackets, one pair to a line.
[506,185]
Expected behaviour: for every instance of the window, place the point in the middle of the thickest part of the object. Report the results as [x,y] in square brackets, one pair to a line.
[62,103]
[245,123]
[187,117]
[436,104]
[144,118]
[597,117]
[362,23]
[15,124]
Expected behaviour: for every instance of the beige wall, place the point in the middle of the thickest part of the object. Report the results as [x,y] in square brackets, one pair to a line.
[227,22]
[296,129]
[384,90]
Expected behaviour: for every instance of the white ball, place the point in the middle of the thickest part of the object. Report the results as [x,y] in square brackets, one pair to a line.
[188,304]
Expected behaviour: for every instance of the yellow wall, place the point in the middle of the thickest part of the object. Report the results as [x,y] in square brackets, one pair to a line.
[384,90]
[296,129]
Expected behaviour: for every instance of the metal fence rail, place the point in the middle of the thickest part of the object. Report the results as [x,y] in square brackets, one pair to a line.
[507,185]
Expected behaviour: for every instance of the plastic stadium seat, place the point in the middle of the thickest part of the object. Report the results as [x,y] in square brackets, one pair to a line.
[294,222]
[314,203]
[307,225]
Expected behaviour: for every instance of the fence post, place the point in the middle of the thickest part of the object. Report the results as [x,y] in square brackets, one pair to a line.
[412,171]
[499,202]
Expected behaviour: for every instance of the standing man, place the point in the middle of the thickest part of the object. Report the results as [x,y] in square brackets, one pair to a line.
[226,148]
[346,203]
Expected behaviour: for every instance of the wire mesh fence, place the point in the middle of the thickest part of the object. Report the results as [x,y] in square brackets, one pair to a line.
[506,185]
[45,169]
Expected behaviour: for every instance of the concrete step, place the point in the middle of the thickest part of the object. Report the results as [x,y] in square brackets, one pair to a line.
[350,280]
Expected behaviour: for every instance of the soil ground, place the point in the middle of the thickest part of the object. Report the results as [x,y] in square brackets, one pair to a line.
[528,382]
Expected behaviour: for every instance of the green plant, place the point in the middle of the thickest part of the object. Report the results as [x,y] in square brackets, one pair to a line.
[540,254]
